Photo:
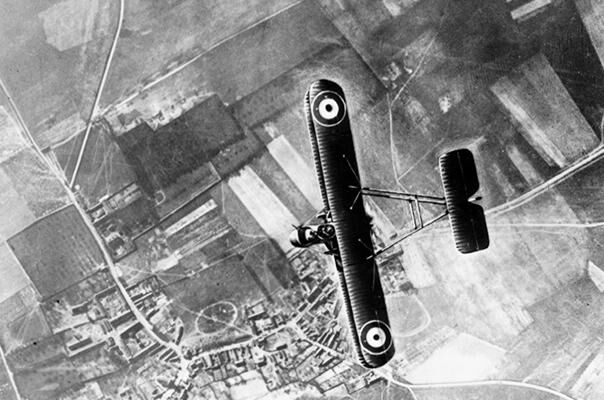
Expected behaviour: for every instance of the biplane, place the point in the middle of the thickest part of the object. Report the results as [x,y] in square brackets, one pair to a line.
[345,227]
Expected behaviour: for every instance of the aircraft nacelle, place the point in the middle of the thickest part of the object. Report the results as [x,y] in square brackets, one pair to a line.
[305,236]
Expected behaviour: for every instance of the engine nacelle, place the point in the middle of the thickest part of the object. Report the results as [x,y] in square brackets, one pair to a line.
[305,236]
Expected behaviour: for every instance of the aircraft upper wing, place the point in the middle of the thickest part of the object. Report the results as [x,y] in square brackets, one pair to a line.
[338,175]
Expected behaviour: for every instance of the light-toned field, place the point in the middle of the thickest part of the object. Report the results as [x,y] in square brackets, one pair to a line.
[300,171]
[15,215]
[252,387]
[15,212]
[592,12]
[407,318]
[270,213]
[39,188]
[11,138]
[590,384]
[463,358]
[478,392]
[13,277]
[72,23]
[22,322]
[235,212]
[488,294]
[284,188]
[535,96]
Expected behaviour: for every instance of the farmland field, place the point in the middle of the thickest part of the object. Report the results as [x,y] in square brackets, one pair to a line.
[104,169]
[31,179]
[13,276]
[57,251]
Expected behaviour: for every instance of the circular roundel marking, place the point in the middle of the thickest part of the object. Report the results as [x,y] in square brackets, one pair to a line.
[375,337]
[328,108]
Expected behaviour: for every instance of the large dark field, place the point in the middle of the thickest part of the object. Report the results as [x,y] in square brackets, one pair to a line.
[159,158]
[57,251]
[227,280]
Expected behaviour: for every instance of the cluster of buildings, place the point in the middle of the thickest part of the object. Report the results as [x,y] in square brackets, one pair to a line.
[94,334]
